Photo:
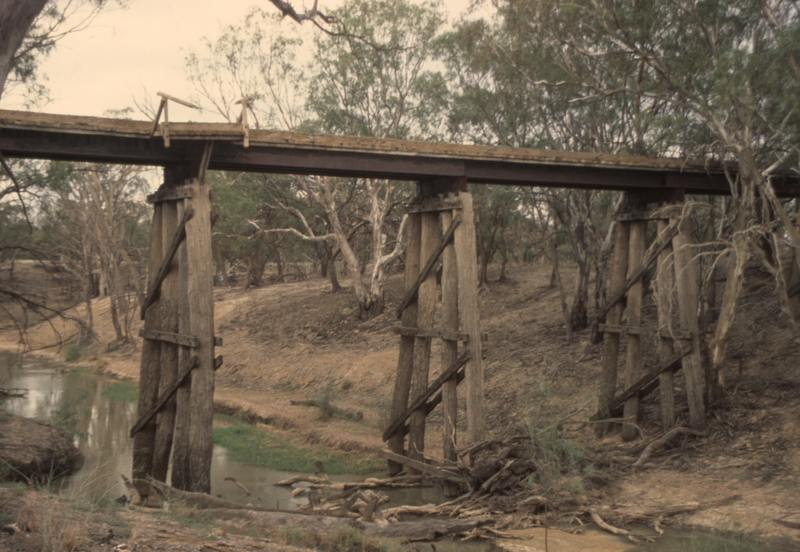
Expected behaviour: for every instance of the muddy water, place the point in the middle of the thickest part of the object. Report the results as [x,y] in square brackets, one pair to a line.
[101,426]
[75,398]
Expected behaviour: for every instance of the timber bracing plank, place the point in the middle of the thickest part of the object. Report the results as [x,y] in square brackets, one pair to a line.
[671,363]
[431,332]
[412,292]
[180,235]
[424,396]
[169,337]
[171,194]
[662,241]
[165,396]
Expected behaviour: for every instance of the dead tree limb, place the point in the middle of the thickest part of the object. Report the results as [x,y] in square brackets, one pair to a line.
[663,440]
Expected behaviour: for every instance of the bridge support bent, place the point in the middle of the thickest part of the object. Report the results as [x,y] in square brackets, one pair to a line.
[176,384]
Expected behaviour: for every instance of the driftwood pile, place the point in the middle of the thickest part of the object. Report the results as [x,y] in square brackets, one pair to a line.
[502,488]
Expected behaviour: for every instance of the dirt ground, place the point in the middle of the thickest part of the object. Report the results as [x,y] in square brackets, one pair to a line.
[295,340]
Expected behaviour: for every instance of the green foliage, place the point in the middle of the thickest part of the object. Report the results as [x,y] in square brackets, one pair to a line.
[73,352]
[79,369]
[238,241]
[380,84]
[249,443]
[122,391]
[344,539]
[326,397]
[293,536]
[555,456]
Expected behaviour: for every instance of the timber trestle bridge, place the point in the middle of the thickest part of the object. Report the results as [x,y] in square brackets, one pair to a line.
[178,354]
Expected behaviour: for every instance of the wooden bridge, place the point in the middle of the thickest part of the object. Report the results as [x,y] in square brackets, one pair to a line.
[178,362]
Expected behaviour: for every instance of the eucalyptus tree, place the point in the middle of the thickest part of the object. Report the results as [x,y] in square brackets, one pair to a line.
[94,216]
[516,85]
[728,72]
[374,79]
[713,80]
[371,77]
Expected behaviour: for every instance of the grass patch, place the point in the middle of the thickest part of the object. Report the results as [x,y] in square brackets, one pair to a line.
[122,391]
[248,443]
[73,352]
[344,539]
[80,369]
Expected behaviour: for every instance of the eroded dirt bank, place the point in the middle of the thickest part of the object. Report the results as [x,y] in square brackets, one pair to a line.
[295,341]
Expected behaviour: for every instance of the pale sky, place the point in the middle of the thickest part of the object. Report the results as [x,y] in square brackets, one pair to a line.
[140,50]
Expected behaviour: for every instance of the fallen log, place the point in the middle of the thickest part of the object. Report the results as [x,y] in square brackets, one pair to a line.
[356,415]
[674,509]
[235,482]
[602,524]
[411,531]
[426,530]
[35,451]
[425,510]
[6,393]
[302,478]
[787,523]
[425,468]
[402,482]
[202,500]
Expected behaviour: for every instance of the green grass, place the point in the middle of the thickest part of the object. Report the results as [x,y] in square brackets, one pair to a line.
[80,369]
[248,443]
[344,539]
[73,352]
[122,391]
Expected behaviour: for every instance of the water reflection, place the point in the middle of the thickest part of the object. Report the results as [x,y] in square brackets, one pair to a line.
[74,399]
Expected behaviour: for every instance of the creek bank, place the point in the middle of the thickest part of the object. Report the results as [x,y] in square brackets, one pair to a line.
[35,451]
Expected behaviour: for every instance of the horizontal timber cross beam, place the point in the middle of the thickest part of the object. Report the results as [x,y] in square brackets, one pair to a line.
[178,339]
[103,140]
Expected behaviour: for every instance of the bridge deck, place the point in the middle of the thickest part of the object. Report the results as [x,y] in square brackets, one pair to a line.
[94,139]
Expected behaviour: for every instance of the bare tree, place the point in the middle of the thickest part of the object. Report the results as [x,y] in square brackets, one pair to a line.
[94,215]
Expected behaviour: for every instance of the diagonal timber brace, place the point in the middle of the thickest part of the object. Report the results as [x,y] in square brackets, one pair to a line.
[672,363]
[166,395]
[661,242]
[170,391]
[425,395]
[180,235]
[412,292]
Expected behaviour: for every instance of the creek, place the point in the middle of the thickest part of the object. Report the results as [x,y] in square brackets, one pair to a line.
[74,398]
